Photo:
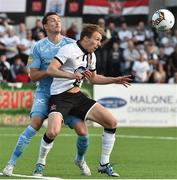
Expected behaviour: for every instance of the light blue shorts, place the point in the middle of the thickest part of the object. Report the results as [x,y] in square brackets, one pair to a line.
[40,108]
[71,121]
[40,105]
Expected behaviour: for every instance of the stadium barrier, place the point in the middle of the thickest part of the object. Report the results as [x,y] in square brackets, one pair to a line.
[141,105]
[16,100]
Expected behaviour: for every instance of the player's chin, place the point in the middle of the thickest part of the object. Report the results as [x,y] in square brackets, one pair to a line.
[93,50]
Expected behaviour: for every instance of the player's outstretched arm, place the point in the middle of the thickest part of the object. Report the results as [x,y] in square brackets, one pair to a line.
[99,79]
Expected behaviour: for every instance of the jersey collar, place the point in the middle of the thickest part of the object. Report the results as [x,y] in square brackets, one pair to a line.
[82,49]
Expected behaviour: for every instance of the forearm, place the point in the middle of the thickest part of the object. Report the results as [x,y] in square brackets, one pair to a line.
[38,75]
[99,79]
[54,72]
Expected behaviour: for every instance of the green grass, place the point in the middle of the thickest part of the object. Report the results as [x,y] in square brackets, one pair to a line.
[134,158]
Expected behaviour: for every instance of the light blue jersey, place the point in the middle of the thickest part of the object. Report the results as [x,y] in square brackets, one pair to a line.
[42,54]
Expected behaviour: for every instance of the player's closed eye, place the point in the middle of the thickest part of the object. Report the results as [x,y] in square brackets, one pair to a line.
[55,20]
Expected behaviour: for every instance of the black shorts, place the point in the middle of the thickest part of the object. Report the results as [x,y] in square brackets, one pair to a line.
[75,104]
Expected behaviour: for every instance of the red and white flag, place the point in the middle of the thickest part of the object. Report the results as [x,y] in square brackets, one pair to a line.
[135,7]
[96,7]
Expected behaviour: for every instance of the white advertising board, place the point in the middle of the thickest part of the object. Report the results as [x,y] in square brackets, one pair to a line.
[12,6]
[140,105]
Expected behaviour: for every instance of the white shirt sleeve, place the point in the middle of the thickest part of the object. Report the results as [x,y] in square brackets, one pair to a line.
[63,54]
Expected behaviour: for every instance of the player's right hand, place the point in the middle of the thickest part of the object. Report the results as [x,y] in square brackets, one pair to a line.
[78,76]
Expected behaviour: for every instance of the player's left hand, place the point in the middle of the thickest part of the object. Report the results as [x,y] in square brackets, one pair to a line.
[87,74]
[124,80]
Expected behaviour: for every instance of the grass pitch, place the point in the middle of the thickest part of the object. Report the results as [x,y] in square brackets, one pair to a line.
[139,153]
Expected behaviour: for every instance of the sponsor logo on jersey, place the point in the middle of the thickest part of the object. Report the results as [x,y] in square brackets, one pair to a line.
[30,60]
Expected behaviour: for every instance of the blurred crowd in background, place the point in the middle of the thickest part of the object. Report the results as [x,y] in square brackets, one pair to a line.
[149,55]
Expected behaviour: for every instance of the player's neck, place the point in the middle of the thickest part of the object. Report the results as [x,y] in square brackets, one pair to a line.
[54,38]
[82,46]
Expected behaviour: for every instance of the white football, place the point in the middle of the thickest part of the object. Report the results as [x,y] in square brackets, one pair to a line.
[163,20]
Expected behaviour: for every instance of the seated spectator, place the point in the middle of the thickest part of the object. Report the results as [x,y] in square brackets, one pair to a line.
[40,35]
[173,80]
[139,36]
[124,35]
[141,69]
[72,31]
[4,23]
[130,55]
[152,56]
[21,31]
[163,59]
[19,71]
[38,28]
[115,60]
[172,65]
[159,75]
[25,46]
[2,48]
[168,42]
[175,37]
[5,69]
[11,41]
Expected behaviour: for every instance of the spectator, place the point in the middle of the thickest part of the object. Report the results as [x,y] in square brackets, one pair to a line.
[139,35]
[63,31]
[159,75]
[173,80]
[141,69]
[111,35]
[19,71]
[102,23]
[11,41]
[40,35]
[21,31]
[72,32]
[38,28]
[175,37]
[124,35]
[130,55]
[2,45]
[5,72]
[151,56]
[115,60]
[168,42]
[102,52]
[163,58]
[25,46]
[172,66]
[4,24]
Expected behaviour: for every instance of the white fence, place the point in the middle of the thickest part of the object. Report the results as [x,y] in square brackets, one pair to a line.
[141,105]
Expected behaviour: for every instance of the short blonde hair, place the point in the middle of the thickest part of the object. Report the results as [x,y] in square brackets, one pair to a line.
[89,29]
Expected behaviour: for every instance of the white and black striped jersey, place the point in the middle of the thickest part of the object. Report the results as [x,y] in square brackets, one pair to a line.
[71,56]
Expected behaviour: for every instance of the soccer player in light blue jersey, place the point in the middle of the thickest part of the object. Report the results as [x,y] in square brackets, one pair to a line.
[42,54]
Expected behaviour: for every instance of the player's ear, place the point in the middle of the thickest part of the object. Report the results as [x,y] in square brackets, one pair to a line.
[45,26]
[86,38]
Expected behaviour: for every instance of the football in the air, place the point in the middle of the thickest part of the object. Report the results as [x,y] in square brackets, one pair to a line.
[163,20]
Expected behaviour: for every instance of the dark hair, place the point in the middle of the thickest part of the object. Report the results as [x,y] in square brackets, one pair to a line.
[89,29]
[44,20]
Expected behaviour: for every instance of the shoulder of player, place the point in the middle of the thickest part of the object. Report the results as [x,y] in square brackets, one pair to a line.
[69,40]
[39,43]
[69,47]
